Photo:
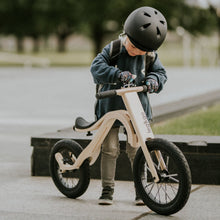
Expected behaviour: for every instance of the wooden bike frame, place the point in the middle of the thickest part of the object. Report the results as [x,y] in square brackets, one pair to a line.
[137,127]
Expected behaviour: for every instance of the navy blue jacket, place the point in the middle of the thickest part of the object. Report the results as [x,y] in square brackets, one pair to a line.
[107,76]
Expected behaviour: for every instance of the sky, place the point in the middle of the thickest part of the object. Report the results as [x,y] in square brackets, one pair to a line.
[204,3]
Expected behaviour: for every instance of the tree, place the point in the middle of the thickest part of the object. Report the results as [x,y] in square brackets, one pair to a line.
[216,12]
[36,18]
[64,17]
[24,18]
[93,17]
[96,15]
[14,18]
[39,22]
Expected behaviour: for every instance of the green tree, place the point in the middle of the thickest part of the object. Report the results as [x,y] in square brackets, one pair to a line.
[215,11]
[24,18]
[40,25]
[36,18]
[97,15]
[64,17]
[14,18]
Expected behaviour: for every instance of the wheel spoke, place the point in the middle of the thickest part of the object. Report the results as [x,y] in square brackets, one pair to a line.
[166,194]
[149,184]
[174,179]
[158,191]
[151,188]
[174,190]
[167,161]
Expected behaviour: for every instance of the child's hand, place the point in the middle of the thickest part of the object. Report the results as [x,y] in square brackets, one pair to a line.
[126,77]
[152,85]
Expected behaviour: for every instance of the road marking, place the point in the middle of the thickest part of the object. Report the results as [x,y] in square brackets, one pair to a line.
[197,188]
[150,212]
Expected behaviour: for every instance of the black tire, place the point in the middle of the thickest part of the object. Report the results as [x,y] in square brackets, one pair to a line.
[71,183]
[172,192]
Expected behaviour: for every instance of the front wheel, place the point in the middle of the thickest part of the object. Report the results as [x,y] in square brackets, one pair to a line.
[72,183]
[171,193]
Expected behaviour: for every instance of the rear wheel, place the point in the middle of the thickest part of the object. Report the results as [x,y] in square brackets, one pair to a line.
[72,183]
[171,193]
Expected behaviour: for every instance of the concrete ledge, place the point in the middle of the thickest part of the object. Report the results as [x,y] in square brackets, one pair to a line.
[202,153]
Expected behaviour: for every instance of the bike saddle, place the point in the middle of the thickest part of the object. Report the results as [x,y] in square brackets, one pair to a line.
[81,123]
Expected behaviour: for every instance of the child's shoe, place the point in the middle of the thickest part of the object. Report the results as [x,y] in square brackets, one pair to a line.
[106,197]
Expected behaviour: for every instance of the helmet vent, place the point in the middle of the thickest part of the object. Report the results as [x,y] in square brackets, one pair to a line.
[162,22]
[155,12]
[158,33]
[146,14]
[145,26]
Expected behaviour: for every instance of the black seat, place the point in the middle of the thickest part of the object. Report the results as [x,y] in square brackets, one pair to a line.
[81,123]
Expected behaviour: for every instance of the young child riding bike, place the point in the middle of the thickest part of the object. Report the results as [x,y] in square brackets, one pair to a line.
[144,31]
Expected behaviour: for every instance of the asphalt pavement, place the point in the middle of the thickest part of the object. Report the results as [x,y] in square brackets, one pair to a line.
[35,101]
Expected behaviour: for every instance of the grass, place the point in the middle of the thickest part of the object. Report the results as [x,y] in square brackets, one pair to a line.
[202,122]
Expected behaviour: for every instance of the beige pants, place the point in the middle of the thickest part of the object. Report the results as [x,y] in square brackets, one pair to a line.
[110,153]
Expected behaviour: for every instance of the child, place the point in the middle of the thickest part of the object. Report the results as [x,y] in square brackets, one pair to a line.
[144,31]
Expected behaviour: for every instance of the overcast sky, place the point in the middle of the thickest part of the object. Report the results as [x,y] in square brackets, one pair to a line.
[204,3]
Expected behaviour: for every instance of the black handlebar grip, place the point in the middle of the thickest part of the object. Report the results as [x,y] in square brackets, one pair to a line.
[144,88]
[106,94]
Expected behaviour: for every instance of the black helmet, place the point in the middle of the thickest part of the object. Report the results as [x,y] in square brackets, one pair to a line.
[146,28]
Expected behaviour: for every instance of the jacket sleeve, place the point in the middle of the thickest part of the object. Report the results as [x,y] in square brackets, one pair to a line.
[101,71]
[157,72]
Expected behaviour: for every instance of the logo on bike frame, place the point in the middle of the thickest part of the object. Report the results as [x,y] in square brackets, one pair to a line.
[146,122]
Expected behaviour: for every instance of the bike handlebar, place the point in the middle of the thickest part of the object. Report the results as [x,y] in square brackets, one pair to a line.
[144,88]
[111,93]
[106,94]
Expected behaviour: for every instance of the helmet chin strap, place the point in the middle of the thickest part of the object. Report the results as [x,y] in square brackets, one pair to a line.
[125,40]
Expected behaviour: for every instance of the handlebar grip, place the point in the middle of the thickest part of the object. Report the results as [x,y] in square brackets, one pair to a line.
[106,94]
[144,88]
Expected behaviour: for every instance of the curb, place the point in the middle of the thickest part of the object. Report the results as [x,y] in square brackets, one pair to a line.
[183,106]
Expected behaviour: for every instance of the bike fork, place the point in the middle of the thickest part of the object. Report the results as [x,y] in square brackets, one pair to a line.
[149,162]
[143,130]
